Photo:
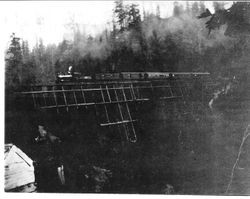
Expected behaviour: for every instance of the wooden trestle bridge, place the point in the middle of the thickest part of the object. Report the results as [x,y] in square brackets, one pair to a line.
[112,99]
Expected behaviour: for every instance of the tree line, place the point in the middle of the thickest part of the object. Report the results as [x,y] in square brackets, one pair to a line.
[138,41]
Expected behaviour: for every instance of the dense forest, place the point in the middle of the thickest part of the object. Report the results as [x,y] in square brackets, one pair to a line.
[139,41]
[181,153]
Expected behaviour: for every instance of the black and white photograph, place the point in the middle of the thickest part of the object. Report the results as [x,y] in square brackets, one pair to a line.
[126,97]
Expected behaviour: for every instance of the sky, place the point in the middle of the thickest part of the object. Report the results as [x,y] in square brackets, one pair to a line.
[49,20]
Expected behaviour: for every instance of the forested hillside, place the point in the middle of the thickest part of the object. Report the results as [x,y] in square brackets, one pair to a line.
[194,150]
[138,41]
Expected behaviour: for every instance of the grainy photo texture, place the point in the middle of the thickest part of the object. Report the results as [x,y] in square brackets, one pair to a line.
[127,97]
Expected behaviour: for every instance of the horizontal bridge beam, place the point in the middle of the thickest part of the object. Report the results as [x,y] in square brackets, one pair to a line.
[106,103]
[117,123]
[97,89]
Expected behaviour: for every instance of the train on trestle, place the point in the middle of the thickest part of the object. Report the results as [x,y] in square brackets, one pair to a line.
[78,77]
